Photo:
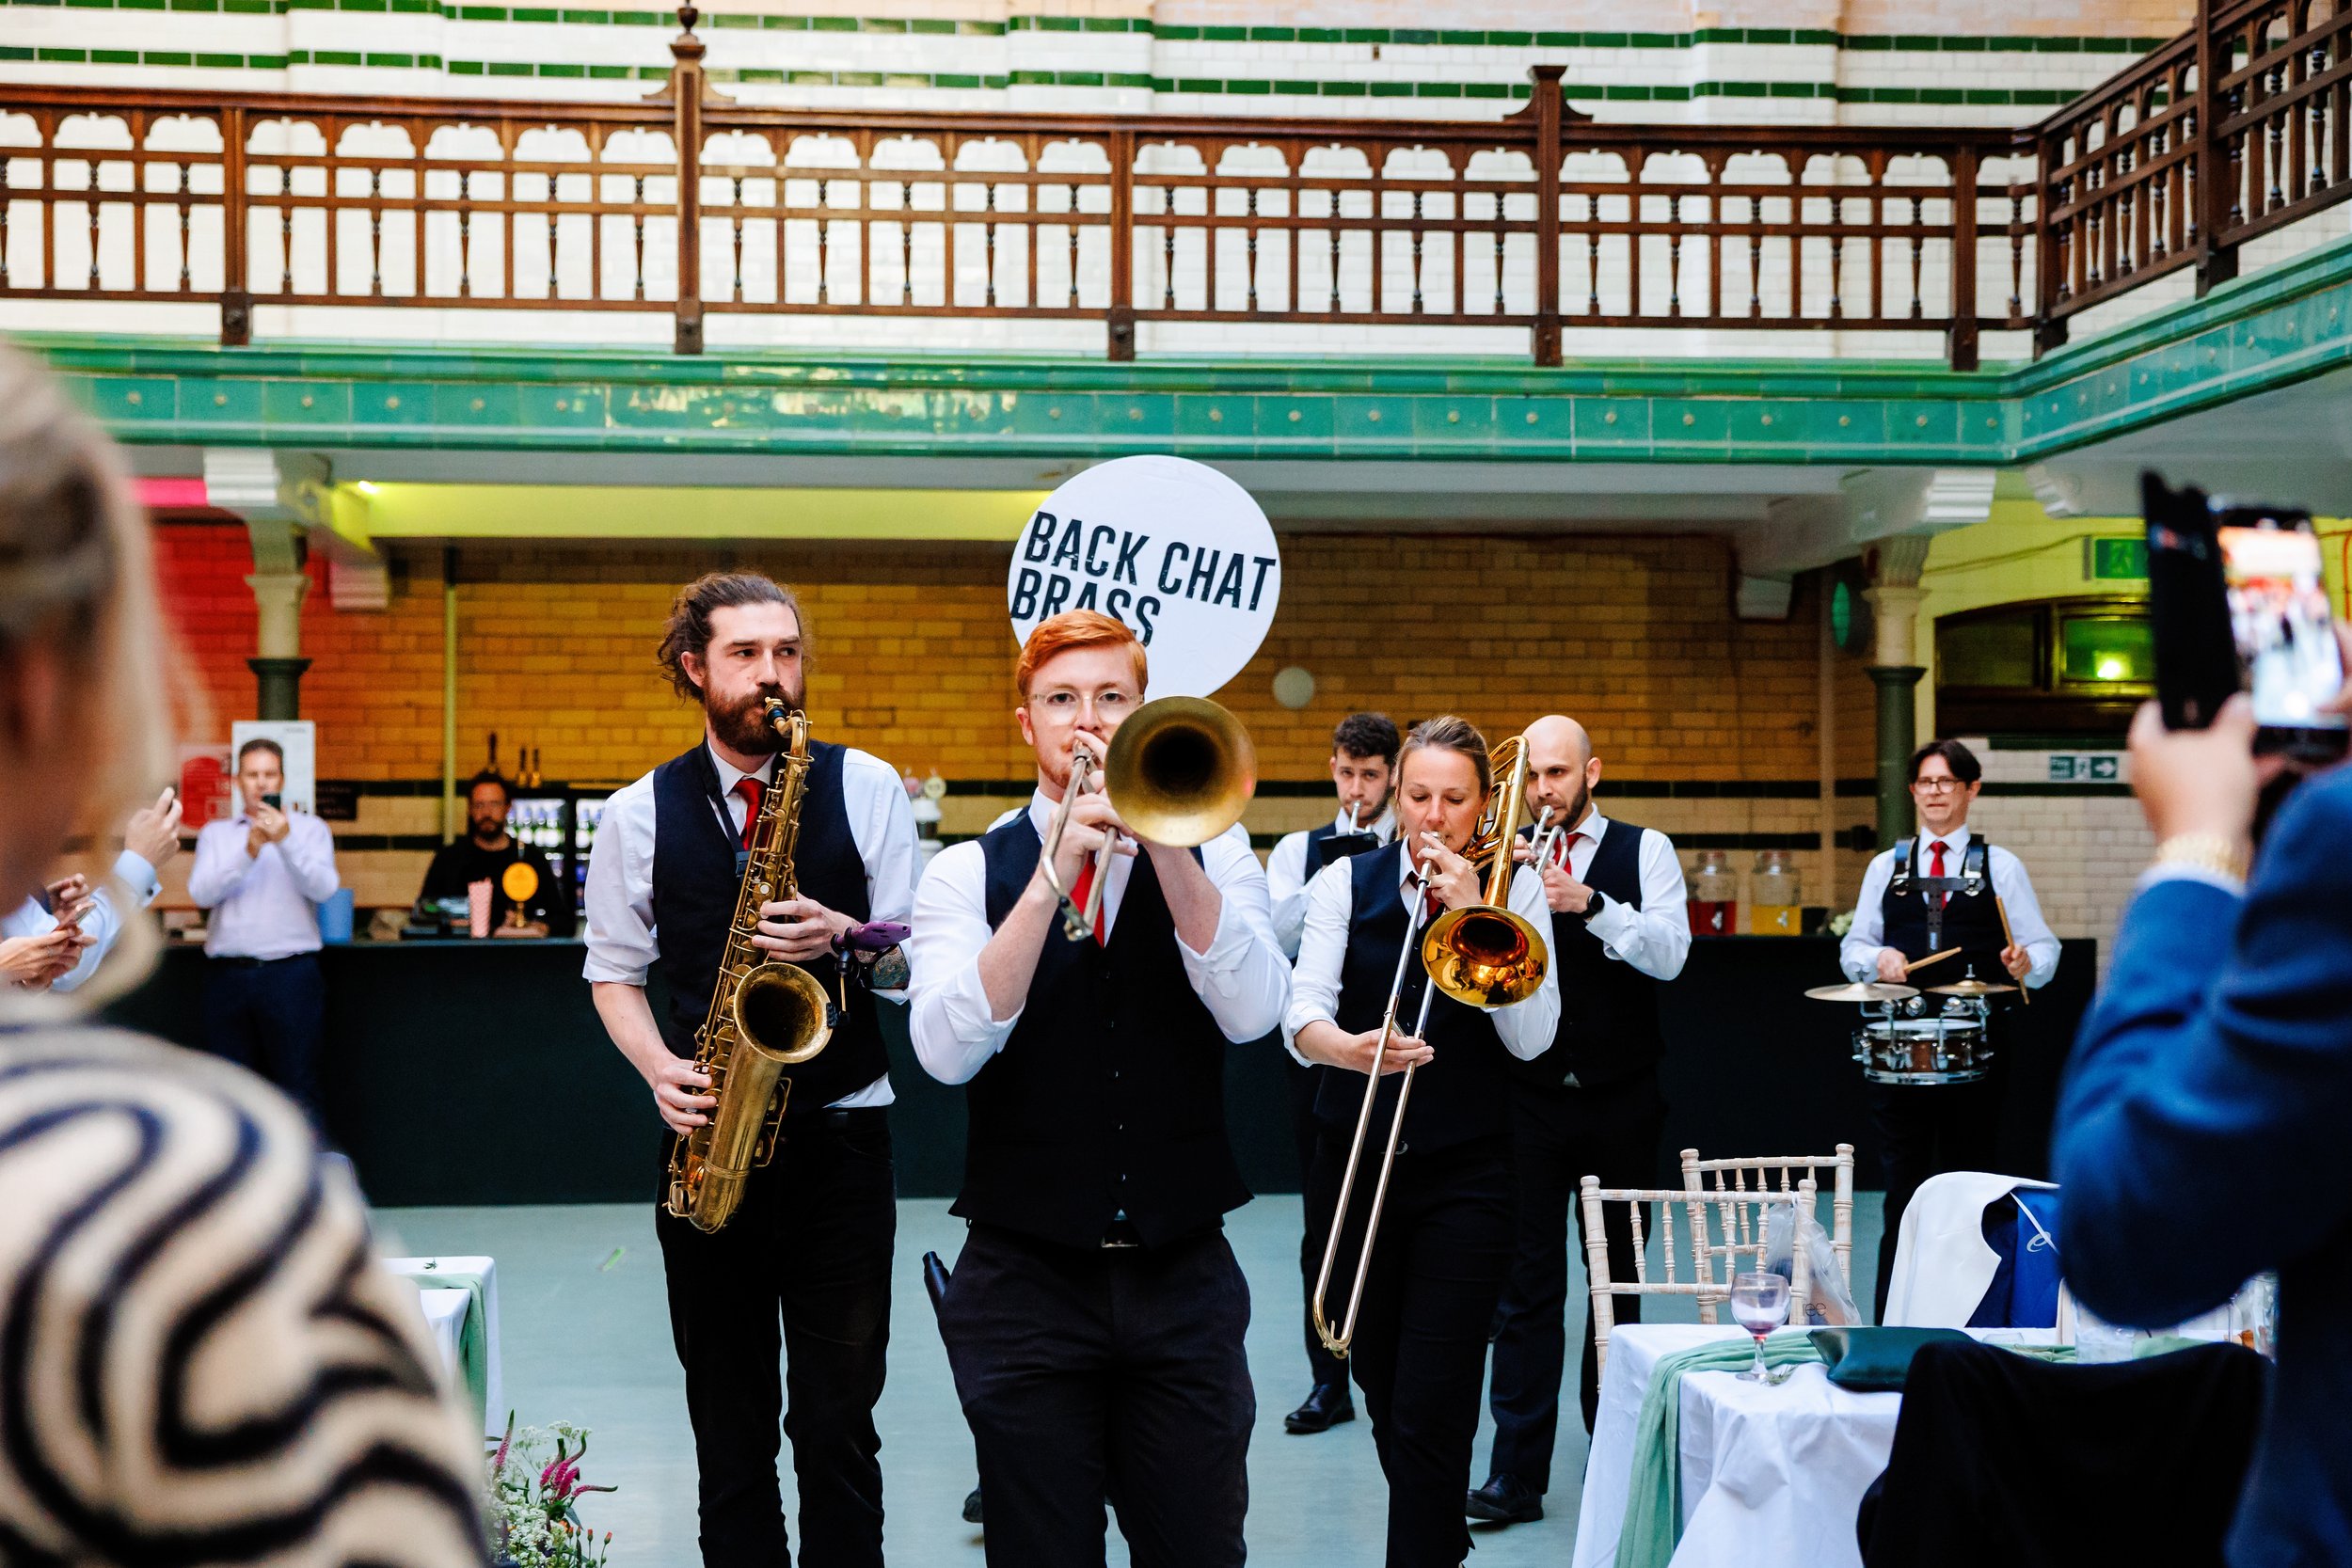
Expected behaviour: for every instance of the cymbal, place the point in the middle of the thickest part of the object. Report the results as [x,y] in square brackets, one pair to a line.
[1864,991]
[1970,986]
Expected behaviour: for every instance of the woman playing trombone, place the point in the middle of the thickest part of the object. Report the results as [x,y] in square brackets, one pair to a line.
[1442,1244]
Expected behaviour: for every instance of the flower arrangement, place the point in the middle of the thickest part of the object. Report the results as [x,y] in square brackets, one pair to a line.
[534,1503]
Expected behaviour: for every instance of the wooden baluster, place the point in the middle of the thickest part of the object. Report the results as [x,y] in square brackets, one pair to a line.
[1249,212]
[2275,84]
[1641,1250]
[824,243]
[988,227]
[285,231]
[734,218]
[1209,235]
[1674,254]
[1167,249]
[7,201]
[465,233]
[91,207]
[1074,244]
[1119,319]
[906,243]
[637,216]
[1501,200]
[1416,232]
[1918,229]
[2316,64]
[187,282]
[375,230]
[1333,214]
[2338,145]
[2013,212]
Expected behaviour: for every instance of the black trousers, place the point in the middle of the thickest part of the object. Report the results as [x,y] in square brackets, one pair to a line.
[802,1269]
[1558,1137]
[1438,1266]
[1317,1231]
[1925,1129]
[1105,1373]
[269,1015]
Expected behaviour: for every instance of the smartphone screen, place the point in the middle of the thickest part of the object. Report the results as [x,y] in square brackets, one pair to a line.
[275,802]
[2280,619]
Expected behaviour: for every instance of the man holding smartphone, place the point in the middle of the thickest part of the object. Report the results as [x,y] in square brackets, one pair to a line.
[2211,1081]
[263,873]
[1927,1128]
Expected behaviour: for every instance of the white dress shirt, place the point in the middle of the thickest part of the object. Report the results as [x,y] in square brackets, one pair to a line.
[622,938]
[1865,938]
[1241,978]
[1527,1027]
[103,922]
[265,905]
[1654,938]
[1287,875]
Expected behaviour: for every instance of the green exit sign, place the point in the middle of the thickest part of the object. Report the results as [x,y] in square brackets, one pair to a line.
[2116,560]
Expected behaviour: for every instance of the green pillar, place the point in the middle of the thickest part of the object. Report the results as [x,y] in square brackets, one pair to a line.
[278,684]
[1898,733]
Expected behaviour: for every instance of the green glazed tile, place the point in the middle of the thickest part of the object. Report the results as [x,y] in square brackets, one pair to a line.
[296,404]
[1607,423]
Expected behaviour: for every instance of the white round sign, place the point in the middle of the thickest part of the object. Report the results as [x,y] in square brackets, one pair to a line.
[1172,547]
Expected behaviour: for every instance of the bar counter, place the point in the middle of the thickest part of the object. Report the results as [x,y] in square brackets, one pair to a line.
[477,1072]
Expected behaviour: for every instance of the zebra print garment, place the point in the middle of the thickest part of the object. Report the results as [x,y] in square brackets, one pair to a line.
[200,1362]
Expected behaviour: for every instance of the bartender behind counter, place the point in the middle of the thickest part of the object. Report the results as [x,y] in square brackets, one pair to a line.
[484,855]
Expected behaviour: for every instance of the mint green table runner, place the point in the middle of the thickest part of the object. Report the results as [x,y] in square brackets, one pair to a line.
[1653,1504]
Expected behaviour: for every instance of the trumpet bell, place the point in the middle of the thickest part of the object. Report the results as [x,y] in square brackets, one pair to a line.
[1484,955]
[1181,770]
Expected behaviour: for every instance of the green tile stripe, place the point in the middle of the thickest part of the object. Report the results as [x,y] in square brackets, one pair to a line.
[1387,36]
[2286,324]
[1614,92]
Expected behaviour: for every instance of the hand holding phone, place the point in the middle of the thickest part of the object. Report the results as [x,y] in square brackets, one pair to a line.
[2237,603]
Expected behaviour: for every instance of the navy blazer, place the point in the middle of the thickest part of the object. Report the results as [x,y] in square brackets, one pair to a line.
[2200,1138]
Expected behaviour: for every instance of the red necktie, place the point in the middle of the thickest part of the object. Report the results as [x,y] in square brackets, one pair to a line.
[1561,848]
[1935,868]
[751,789]
[1083,889]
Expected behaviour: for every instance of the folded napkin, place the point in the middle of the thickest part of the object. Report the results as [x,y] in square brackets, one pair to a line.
[1874,1360]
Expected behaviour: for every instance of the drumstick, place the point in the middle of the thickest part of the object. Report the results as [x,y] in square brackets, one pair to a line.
[1930,959]
[2007,941]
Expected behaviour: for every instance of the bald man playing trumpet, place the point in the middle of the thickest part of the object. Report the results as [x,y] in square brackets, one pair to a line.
[1590,1104]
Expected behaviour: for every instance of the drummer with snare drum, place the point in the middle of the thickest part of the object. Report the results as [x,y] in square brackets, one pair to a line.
[1955,918]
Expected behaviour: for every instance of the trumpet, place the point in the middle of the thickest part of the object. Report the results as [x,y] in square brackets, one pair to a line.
[1482,955]
[1180,772]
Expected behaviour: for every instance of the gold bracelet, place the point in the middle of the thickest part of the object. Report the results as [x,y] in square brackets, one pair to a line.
[2212,852]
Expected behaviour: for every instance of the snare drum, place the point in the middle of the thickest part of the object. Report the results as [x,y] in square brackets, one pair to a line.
[1922,1050]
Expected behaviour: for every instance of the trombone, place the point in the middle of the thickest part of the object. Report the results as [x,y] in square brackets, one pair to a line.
[1180,770]
[1481,955]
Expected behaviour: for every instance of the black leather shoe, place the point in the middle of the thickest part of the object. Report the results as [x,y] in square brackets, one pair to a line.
[1327,1406]
[1505,1501]
[972,1507]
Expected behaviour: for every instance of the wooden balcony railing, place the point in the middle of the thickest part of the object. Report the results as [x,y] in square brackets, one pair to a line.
[688,203]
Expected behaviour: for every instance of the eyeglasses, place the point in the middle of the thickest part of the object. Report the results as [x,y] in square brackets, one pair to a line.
[1935,786]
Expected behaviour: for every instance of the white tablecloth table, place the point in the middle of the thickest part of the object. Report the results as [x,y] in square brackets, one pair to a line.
[1770,1475]
[451,1288]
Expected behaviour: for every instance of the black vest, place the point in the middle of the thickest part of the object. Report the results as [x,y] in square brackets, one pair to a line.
[1971,923]
[696,884]
[1109,1094]
[1608,1028]
[1459,1094]
[1318,836]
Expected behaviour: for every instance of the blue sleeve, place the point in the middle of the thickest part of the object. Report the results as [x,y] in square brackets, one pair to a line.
[2212,1080]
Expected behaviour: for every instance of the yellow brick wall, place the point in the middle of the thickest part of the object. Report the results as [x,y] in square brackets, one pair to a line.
[913,654]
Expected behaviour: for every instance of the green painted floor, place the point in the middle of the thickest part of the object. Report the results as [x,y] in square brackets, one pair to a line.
[585,1339]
